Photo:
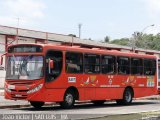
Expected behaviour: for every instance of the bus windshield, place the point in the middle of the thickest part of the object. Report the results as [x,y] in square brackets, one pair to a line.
[24,67]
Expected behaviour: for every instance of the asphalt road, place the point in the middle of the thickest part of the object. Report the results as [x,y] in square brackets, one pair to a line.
[81,111]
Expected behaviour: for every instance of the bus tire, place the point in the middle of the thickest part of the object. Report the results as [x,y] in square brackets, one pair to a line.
[127,97]
[36,104]
[119,102]
[98,102]
[69,100]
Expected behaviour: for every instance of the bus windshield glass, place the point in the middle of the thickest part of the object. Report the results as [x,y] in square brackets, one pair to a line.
[24,67]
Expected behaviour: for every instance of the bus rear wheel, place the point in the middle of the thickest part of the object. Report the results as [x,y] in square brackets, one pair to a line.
[98,102]
[69,100]
[127,97]
[36,104]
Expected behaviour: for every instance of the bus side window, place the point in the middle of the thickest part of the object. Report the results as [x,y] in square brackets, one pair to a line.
[74,62]
[108,64]
[149,67]
[91,63]
[123,65]
[136,66]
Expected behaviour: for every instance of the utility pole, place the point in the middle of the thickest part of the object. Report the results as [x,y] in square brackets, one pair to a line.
[18,19]
[137,36]
[79,27]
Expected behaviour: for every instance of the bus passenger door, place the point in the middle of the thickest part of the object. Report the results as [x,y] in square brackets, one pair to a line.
[53,68]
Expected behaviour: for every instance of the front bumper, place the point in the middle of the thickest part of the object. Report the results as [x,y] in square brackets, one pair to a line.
[45,95]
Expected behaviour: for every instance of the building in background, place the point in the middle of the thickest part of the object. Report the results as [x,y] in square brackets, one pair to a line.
[11,35]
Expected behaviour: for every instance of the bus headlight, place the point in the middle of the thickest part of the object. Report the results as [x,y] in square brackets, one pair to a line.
[35,89]
[7,89]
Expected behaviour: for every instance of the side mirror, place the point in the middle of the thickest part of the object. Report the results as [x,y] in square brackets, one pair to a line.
[1,62]
[50,65]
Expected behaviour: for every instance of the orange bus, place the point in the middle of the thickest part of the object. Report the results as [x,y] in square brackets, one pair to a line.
[42,73]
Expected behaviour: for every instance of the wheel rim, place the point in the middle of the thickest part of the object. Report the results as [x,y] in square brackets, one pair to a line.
[69,99]
[128,96]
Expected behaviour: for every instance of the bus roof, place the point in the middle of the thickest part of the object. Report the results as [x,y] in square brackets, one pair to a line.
[88,50]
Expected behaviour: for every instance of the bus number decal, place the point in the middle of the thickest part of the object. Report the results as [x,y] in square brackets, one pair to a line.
[71,79]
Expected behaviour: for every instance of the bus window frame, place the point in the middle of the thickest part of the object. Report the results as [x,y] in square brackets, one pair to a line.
[151,68]
[94,65]
[117,65]
[66,62]
[142,60]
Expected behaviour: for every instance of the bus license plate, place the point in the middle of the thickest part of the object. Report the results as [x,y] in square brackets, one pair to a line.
[17,95]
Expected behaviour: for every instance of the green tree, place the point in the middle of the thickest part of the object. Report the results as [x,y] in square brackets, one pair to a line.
[140,40]
[106,39]
[72,35]
[122,41]
[155,42]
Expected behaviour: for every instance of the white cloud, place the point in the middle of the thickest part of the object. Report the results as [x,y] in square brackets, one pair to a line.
[153,7]
[153,10]
[29,8]
[29,11]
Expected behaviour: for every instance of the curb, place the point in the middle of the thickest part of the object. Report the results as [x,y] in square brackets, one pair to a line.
[14,106]
[28,105]
[157,97]
[77,102]
[21,106]
[1,93]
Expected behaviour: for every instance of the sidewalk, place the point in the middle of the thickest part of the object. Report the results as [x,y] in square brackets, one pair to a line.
[1,92]
[12,104]
[4,103]
[153,97]
[22,103]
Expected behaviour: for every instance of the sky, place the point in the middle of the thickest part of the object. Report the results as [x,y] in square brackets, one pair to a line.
[99,18]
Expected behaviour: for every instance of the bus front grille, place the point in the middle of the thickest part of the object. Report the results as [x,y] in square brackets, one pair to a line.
[24,91]
[18,96]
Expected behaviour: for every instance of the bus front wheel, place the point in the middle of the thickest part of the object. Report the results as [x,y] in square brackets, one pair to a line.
[127,97]
[36,104]
[69,100]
